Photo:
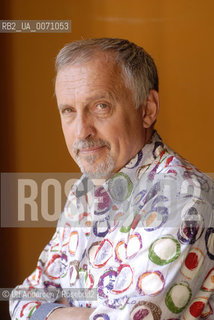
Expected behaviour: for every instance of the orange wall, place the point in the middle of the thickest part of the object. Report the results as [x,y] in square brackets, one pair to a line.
[178,34]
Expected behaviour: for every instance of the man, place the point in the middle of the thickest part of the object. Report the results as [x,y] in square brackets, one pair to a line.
[138,226]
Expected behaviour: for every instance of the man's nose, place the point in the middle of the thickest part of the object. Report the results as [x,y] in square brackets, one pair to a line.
[84,126]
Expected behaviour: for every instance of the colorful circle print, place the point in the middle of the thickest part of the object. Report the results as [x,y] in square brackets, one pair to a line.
[207,311]
[115,281]
[53,267]
[178,297]
[209,239]
[29,308]
[101,316]
[34,280]
[138,198]
[120,186]
[151,283]
[124,279]
[135,161]
[196,308]
[104,203]
[155,219]
[86,278]
[208,284]
[101,228]
[128,251]
[74,271]
[73,242]
[164,250]
[127,222]
[145,310]
[106,283]
[191,227]
[134,245]
[100,252]
[193,263]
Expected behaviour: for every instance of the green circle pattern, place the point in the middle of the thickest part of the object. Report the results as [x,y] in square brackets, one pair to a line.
[120,186]
[156,259]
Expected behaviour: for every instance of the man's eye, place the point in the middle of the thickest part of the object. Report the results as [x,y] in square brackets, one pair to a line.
[102,106]
[67,110]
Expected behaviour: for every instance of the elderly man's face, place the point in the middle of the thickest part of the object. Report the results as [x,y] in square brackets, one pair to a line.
[102,127]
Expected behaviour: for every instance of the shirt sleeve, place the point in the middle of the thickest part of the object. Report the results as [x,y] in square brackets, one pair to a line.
[37,297]
[41,292]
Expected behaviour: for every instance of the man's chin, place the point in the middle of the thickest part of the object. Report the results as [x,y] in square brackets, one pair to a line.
[95,175]
[97,170]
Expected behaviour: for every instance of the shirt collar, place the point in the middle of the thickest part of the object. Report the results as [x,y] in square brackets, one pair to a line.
[121,185]
[145,157]
[132,171]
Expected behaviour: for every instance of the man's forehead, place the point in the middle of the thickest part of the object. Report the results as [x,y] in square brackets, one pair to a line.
[102,61]
[68,95]
[92,75]
[84,82]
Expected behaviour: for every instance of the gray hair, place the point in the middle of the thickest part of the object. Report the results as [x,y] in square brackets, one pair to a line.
[138,68]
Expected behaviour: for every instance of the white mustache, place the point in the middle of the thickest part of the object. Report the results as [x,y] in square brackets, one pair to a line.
[84,144]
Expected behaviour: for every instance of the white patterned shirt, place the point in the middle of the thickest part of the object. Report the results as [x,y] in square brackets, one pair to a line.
[141,245]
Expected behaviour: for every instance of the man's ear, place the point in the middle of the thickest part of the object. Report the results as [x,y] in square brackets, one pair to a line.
[150,109]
